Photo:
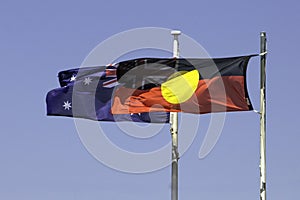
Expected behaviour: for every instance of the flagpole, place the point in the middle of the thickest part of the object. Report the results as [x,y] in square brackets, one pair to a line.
[174,129]
[263,50]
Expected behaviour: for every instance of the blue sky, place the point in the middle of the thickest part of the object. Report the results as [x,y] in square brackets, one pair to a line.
[43,158]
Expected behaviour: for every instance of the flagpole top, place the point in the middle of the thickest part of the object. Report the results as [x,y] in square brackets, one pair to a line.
[175,32]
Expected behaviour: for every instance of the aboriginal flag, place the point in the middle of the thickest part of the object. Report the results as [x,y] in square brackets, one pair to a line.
[182,85]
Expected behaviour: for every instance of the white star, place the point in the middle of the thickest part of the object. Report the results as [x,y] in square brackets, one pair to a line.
[67,105]
[73,78]
[87,81]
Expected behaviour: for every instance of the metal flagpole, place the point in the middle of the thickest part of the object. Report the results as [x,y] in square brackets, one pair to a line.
[174,129]
[263,50]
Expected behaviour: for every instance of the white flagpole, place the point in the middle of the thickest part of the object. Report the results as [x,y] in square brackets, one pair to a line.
[174,129]
[263,50]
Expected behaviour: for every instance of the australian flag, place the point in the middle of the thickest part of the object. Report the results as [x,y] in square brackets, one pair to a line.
[88,93]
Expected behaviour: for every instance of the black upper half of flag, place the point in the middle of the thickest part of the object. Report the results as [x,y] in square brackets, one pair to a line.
[153,72]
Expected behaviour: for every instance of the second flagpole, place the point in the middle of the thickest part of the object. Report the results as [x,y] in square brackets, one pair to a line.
[263,51]
[174,129]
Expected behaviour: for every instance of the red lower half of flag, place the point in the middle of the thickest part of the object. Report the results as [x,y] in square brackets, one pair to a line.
[219,94]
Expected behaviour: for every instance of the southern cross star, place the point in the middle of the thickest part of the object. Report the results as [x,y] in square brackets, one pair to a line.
[67,105]
[73,78]
[87,81]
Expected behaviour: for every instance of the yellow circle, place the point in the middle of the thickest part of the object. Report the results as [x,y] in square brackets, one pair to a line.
[180,86]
